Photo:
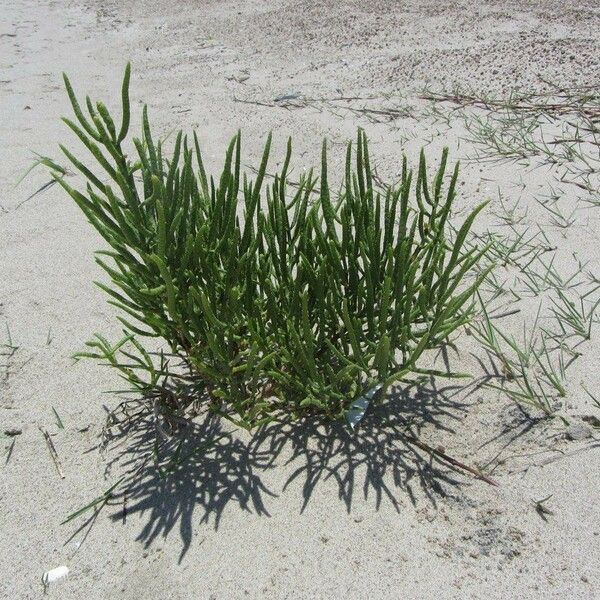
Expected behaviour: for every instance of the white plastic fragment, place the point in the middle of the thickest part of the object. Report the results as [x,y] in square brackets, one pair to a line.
[358,408]
[55,575]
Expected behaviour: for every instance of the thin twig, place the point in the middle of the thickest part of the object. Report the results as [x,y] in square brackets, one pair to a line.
[445,457]
[10,451]
[53,452]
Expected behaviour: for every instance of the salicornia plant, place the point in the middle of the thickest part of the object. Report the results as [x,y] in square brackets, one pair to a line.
[273,298]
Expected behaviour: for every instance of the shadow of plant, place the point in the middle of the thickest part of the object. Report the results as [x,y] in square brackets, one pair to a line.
[376,458]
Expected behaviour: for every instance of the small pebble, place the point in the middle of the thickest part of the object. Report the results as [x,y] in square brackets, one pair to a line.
[578,431]
[12,431]
[591,420]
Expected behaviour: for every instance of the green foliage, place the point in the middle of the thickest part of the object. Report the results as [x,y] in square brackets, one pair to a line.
[273,298]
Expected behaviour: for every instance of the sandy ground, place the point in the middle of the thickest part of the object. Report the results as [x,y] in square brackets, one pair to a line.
[307,512]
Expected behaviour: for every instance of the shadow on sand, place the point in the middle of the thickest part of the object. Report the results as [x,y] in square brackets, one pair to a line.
[376,461]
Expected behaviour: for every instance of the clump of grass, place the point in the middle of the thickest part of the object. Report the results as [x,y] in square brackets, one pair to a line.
[274,301]
[530,375]
[558,127]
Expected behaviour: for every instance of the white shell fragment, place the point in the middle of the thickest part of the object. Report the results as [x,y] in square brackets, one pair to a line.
[55,575]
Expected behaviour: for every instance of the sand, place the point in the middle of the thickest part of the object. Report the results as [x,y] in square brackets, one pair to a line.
[309,512]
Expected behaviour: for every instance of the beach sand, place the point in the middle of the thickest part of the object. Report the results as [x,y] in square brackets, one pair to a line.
[308,511]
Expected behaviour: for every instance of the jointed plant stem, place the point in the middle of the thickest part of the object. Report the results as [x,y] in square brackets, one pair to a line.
[273,298]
